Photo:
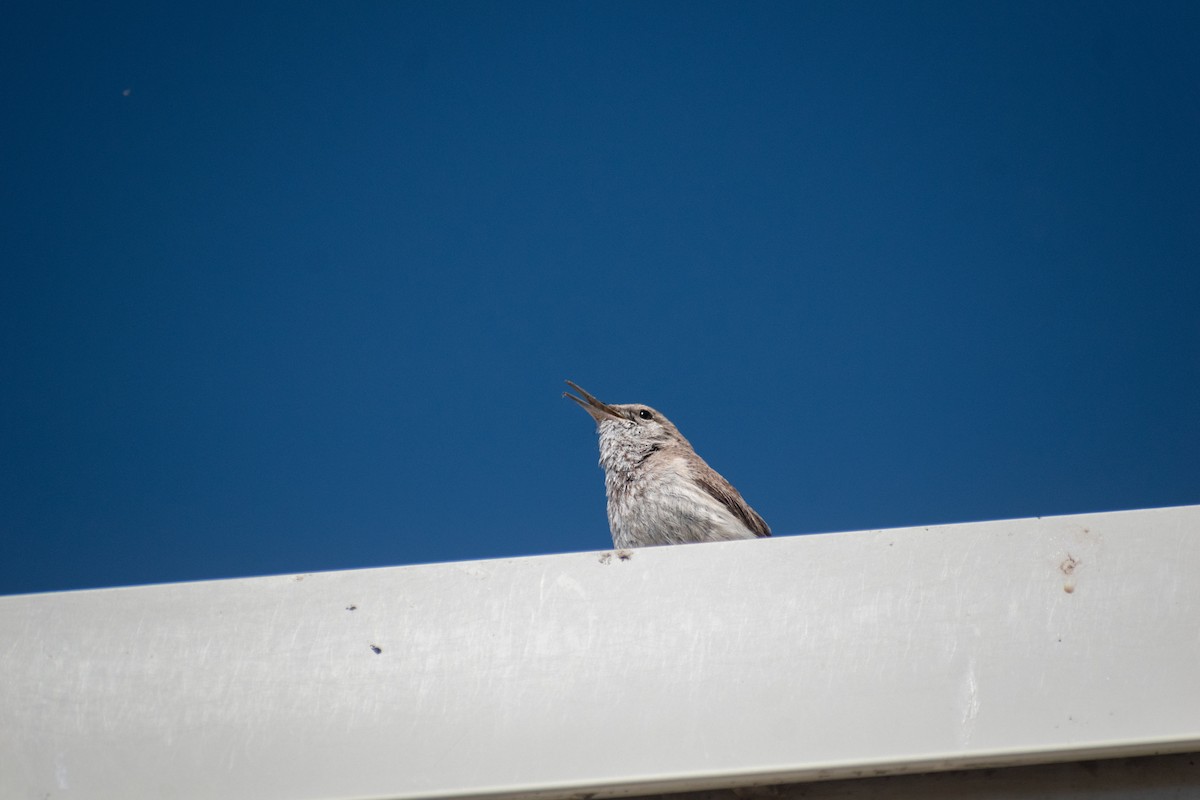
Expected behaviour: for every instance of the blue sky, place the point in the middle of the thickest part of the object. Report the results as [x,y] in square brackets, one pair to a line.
[294,287]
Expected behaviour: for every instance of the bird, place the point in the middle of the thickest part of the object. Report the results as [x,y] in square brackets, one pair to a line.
[659,490]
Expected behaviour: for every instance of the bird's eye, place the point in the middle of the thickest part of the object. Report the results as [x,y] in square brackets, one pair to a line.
[644,414]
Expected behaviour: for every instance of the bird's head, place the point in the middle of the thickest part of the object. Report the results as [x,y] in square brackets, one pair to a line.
[630,426]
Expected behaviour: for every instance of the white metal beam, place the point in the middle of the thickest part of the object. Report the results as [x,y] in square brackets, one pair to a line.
[661,669]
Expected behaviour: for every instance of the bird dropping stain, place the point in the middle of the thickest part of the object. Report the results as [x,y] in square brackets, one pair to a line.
[1067,568]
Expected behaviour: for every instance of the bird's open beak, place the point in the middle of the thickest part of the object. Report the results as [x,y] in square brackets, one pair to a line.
[599,411]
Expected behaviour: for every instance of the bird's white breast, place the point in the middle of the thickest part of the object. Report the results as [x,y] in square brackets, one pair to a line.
[660,503]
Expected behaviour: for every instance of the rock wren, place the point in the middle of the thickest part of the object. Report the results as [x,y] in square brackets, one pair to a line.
[659,491]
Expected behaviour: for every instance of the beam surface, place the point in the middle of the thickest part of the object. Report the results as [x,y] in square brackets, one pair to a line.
[664,669]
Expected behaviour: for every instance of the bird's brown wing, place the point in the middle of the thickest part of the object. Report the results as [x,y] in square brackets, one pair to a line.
[723,492]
